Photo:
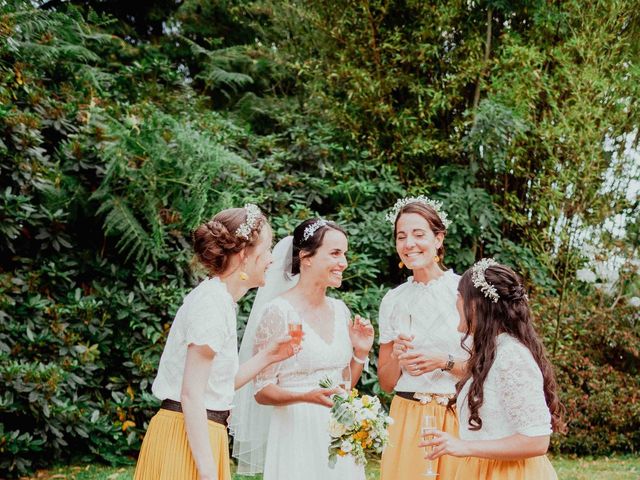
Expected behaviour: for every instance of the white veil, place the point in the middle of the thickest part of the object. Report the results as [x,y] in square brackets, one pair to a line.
[249,421]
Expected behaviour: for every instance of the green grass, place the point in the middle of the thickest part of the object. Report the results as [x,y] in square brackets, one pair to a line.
[586,468]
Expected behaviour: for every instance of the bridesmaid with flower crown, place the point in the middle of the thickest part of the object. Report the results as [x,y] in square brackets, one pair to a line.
[508,401]
[420,353]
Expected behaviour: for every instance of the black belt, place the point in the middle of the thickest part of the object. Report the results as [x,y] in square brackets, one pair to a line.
[218,416]
[425,398]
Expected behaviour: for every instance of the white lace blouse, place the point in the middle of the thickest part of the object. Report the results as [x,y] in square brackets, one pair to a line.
[513,396]
[207,317]
[318,357]
[429,312]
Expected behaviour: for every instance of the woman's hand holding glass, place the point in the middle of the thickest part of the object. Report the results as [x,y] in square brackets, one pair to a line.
[443,443]
[402,344]
[416,363]
[282,348]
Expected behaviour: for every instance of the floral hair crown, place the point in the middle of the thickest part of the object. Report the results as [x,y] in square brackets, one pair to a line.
[310,230]
[403,202]
[253,214]
[479,281]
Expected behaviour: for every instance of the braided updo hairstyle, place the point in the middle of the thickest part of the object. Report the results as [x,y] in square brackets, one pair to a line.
[486,320]
[215,241]
[311,245]
[430,215]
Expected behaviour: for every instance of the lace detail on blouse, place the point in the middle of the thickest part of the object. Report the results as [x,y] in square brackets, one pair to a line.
[272,325]
[513,396]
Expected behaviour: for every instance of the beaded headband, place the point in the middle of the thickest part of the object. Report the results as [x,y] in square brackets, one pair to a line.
[479,281]
[253,214]
[310,230]
[403,202]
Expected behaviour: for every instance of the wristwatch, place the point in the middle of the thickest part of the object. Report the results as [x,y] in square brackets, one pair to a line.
[449,365]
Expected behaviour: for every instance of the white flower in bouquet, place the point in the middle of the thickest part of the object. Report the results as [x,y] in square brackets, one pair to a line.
[336,429]
[346,446]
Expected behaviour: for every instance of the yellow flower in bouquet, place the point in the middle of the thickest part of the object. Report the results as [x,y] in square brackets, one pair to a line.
[358,426]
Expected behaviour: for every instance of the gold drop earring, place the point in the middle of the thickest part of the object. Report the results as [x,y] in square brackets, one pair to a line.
[243,276]
[400,265]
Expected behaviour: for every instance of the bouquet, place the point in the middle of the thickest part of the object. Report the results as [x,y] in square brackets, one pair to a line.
[358,426]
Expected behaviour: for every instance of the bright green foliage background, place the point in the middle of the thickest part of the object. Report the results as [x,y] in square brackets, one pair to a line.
[125,124]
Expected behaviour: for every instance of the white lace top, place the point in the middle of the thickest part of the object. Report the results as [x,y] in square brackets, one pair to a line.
[317,358]
[429,312]
[513,396]
[207,317]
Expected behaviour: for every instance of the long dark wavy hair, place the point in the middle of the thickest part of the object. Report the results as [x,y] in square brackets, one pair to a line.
[486,320]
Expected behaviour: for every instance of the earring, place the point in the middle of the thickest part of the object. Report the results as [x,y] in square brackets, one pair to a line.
[401,265]
[436,259]
[243,276]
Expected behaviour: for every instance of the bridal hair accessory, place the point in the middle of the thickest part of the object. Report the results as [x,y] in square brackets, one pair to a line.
[403,202]
[253,214]
[311,229]
[477,277]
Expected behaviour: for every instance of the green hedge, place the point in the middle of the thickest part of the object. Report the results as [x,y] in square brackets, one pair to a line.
[110,154]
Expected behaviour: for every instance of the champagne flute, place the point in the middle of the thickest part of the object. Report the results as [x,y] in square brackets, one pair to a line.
[345,380]
[428,424]
[295,332]
[406,325]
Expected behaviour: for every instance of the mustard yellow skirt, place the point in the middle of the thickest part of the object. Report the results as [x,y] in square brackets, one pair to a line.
[165,452]
[536,468]
[402,459]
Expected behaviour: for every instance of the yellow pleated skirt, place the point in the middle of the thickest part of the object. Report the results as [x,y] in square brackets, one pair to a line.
[165,452]
[536,468]
[402,459]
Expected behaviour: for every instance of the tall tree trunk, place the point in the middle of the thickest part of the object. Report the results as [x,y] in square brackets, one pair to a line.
[485,61]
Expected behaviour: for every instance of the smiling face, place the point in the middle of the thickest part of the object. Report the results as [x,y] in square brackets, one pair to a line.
[416,243]
[329,260]
[259,258]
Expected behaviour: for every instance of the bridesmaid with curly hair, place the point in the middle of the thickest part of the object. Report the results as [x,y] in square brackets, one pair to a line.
[508,403]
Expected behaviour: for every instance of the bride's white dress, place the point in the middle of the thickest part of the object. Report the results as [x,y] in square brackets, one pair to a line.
[298,439]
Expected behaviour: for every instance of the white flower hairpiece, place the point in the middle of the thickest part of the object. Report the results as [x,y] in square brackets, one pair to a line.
[403,202]
[477,277]
[253,214]
[310,230]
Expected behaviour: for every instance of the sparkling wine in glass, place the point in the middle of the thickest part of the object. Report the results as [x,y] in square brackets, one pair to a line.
[428,425]
[406,325]
[344,382]
[295,332]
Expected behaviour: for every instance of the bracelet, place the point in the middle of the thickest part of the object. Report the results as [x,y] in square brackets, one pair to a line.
[361,362]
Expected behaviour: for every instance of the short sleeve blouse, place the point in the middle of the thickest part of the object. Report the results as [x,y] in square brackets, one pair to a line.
[513,400]
[434,322]
[207,317]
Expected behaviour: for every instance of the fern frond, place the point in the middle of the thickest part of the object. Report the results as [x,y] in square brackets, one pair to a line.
[134,240]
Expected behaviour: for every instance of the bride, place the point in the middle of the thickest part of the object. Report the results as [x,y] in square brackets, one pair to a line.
[280,424]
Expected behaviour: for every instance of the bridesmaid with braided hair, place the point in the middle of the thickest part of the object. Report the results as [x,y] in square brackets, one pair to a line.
[199,368]
[507,403]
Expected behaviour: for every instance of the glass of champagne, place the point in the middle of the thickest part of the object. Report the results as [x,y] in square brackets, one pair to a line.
[428,425]
[295,332]
[344,382]
[406,324]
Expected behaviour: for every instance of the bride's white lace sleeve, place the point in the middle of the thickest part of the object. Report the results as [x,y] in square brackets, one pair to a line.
[520,388]
[273,324]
